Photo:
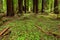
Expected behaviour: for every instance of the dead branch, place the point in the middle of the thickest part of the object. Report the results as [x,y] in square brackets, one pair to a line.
[48,33]
[5,30]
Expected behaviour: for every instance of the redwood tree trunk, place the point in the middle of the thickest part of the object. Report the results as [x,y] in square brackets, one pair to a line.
[35,6]
[20,6]
[10,8]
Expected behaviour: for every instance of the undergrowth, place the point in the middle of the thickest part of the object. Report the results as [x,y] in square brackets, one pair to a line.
[25,29]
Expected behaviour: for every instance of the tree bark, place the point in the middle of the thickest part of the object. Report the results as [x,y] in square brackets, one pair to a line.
[1,5]
[20,6]
[35,6]
[43,4]
[10,8]
[25,5]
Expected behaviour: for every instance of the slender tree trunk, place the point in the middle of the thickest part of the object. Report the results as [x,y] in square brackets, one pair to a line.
[35,6]
[25,5]
[10,8]
[20,6]
[42,10]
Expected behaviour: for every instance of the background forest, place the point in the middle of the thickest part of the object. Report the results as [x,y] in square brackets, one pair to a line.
[49,4]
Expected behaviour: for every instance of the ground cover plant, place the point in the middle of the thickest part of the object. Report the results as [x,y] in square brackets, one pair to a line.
[26,29]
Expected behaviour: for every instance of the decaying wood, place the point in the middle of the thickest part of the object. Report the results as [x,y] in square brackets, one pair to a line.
[48,33]
[3,31]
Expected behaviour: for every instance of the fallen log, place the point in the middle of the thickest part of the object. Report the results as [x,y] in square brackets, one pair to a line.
[48,33]
[7,33]
[3,31]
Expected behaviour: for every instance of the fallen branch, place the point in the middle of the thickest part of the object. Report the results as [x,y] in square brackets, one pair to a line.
[48,33]
[5,30]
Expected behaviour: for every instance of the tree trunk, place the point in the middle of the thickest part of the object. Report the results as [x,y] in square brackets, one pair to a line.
[25,5]
[10,8]
[20,6]
[35,6]
[42,10]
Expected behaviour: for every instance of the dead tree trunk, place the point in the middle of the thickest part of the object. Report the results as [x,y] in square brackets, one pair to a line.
[35,6]
[20,5]
[10,8]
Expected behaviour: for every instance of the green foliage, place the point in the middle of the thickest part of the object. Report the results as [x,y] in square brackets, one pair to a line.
[26,30]
[4,5]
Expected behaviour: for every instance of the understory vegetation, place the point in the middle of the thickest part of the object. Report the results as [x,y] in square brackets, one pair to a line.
[24,28]
[29,19]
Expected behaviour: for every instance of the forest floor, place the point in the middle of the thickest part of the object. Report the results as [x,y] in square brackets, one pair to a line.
[32,27]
